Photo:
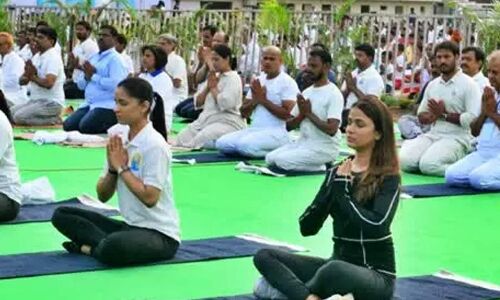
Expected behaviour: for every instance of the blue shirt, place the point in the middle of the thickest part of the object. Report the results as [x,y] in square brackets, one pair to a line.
[489,138]
[100,90]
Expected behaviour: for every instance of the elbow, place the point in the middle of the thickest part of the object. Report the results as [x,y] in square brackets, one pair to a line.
[150,201]
[305,231]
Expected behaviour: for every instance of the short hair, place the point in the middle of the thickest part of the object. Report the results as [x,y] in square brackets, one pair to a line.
[161,58]
[401,47]
[319,45]
[478,53]
[31,30]
[212,28]
[121,39]
[168,37]
[324,55]
[448,46]
[367,49]
[223,51]
[111,29]
[85,24]
[8,37]
[48,32]
[388,54]
[42,23]
[22,31]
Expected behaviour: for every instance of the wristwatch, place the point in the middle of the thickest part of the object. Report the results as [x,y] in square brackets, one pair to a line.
[112,172]
[445,116]
[122,169]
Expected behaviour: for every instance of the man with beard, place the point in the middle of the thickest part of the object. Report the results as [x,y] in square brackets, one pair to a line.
[364,82]
[318,113]
[472,62]
[450,104]
[480,168]
[83,51]
[269,102]
[100,77]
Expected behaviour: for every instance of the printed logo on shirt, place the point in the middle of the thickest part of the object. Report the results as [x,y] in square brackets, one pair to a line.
[135,162]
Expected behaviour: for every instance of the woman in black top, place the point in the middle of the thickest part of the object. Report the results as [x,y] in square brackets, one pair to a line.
[361,195]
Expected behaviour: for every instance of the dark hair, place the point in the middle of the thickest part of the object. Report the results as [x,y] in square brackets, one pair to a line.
[325,56]
[4,107]
[319,45]
[401,47]
[226,53]
[31,30]
[384,159]
[448,46]
[143,91]
[22,31]
[85,24]
[367,49]
[42,23]
[212,28]
[161,58]
[121,39]
[111,29]
[478,54]
[48,32]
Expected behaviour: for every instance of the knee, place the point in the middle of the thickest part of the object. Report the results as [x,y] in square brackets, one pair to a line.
[431,166]
[59,215]
[333,271]
[484,180]
[408,162]
[108,251]
[10,213]
[88,128]
[453,174]
[262,258]
[19,118]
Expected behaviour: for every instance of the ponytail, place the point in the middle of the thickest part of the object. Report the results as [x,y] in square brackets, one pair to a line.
[157,115]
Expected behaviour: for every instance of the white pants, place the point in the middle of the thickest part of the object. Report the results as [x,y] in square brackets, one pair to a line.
[481,170]
[302,156]
[430,155]
[410,127]
[253,142]
[191,137]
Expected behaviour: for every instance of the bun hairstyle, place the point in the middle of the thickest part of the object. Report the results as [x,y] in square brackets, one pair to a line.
[226,53]
[141,90]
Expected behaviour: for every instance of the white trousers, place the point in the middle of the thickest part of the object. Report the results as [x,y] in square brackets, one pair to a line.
[253,142]
[302,156]
[430,155]
[481,170]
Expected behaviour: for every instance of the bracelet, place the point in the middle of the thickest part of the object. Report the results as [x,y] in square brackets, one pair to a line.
[123,169]
[112,172]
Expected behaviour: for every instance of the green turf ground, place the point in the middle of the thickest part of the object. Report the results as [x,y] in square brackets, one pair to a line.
[454,233]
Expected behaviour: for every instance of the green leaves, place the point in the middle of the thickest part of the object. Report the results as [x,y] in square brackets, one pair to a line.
[5,23]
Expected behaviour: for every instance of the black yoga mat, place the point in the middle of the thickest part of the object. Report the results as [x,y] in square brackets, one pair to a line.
[440,189]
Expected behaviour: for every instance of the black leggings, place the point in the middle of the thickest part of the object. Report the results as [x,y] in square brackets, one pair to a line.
[113,242]
[8,208]
[298,276]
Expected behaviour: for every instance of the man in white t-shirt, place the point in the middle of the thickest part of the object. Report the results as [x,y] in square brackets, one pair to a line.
[82,52]
[472,61]
[364,82]
[400,66]
[26,52]
[450,104]
[269,102]
[45,76]
[318,113]
[12,68]
[176,67]
[120,46]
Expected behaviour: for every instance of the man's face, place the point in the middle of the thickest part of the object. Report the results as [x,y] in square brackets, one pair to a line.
[446,61]
[167,46]
[469,64]
[315,69]
[21,39]
[43,42]
[81,32]
[206,38]
[105,40]
[271,62]
[494,73]
[219,39]
[362,60]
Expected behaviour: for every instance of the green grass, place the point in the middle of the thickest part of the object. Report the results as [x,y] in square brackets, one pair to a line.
[454,233]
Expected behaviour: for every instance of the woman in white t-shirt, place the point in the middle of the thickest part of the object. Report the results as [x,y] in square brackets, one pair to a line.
[10,187]
[140,173]
[154,60]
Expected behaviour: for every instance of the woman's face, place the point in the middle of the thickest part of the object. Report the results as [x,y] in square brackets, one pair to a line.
[360,130]
[148,60]
[220,64]
[129,110]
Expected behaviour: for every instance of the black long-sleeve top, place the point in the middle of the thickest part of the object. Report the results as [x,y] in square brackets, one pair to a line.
[361,232]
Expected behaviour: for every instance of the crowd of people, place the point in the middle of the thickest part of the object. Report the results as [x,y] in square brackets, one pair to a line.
[454,132]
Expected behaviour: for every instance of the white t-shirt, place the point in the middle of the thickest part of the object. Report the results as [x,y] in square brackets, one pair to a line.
[400,63]
[49,62]
[481,80]
[12,69]
[162,84]
[280,88]
[149,160]
[327,102]
[176,68]
[83,51]
[389,71]
[369,82]
[460,95]
[127,62]
[25,52]
[9,174]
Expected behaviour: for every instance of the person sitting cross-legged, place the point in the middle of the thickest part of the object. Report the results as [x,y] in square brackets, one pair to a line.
[481,169]
[318,113]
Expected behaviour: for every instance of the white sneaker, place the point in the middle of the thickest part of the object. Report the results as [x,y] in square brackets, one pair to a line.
[340,297]
[262,289]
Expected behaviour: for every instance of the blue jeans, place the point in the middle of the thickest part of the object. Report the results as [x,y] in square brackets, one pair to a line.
[95,121]
[186,110]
